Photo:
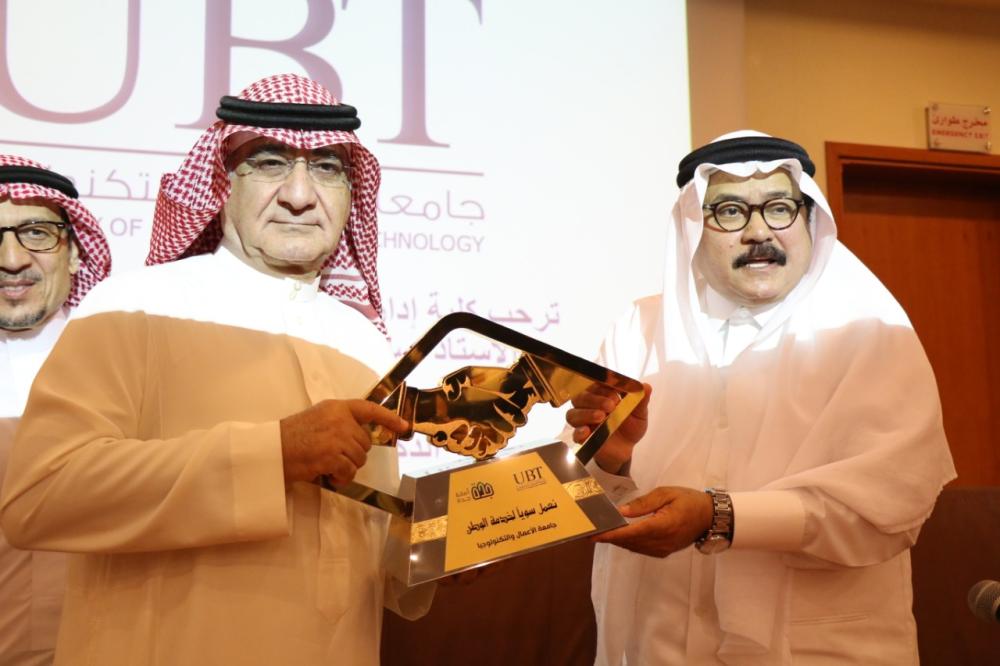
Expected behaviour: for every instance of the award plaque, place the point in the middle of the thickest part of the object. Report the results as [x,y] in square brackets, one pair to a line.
[493,506]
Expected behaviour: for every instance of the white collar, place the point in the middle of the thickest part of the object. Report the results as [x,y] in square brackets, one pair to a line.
[719,309]
[21,354]
[241,276]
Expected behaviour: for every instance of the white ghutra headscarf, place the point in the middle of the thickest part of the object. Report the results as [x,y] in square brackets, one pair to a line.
[834,397]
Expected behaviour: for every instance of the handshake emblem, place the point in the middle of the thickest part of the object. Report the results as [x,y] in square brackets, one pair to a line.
[477,409]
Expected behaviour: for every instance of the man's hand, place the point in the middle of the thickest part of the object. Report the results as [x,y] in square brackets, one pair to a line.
[676,517]
[591,407]
[330,438]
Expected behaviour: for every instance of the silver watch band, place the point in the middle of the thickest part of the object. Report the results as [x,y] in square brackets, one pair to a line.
[719,535]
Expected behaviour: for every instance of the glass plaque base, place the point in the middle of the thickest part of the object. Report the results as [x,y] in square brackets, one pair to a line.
[505,503]
[488,511]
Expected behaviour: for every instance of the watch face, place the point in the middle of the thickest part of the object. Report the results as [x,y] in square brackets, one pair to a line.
[714,544]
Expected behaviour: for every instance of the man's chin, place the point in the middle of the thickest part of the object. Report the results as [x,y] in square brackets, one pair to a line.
[17,319]
[758,298]
[294,261]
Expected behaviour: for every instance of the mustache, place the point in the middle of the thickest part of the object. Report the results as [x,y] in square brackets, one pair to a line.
[23,275]
[764,252]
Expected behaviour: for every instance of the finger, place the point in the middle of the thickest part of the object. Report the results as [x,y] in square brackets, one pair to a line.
[641,410]
[598,388]
[641,534]
[651,548]
[625,534]
[606,400]
[648,503]
[581,434]
[365,411]
[359,435]
[354,454]
[343,471]
[585,417]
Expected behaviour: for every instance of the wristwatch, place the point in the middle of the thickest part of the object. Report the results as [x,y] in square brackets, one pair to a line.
[719,536]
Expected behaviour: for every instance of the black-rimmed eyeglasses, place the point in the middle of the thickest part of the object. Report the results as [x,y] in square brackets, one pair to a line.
[37,236]
[734,215]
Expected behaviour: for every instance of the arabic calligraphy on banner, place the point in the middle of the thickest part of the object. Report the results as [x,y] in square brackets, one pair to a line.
[431,209]
[421,312]
[964,127]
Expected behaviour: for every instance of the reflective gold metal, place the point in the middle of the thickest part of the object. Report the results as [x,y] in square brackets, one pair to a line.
[474,412]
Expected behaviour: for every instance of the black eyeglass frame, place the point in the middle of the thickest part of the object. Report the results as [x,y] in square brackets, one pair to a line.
[799,203]
[62,226]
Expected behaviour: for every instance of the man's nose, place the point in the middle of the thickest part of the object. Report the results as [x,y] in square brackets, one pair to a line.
[298,191]
[13,256]
[756,230]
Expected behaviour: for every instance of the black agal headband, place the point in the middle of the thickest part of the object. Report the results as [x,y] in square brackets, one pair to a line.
[29,174]
[289,116]
[743,149]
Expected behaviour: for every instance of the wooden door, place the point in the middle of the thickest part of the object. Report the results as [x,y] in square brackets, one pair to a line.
[927,223]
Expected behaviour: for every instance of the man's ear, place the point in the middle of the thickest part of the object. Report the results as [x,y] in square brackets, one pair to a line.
[74,258]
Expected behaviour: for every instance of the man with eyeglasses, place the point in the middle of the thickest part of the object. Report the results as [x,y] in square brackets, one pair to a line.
[52,251]
[788,382]
[171,439]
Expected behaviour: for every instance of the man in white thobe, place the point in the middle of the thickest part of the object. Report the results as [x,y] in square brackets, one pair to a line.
[172,437]
[54,253]
[788,382]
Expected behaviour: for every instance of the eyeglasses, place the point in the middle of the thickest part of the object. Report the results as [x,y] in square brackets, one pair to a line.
[37,236]
[778,214]
[328,171]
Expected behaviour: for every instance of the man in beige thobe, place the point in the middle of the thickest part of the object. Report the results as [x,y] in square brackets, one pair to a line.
[171,438]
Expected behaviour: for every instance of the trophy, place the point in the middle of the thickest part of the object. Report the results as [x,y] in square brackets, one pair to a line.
[494,505]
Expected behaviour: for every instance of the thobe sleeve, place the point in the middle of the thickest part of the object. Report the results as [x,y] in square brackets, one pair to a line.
[867,473]
[80,479]
[812,529]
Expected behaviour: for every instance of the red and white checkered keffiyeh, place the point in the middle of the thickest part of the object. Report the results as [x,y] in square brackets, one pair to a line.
[186,219]
[95,254]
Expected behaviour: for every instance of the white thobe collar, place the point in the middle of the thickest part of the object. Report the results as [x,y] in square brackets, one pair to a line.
[729,328]
[233,272]
[21,355]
